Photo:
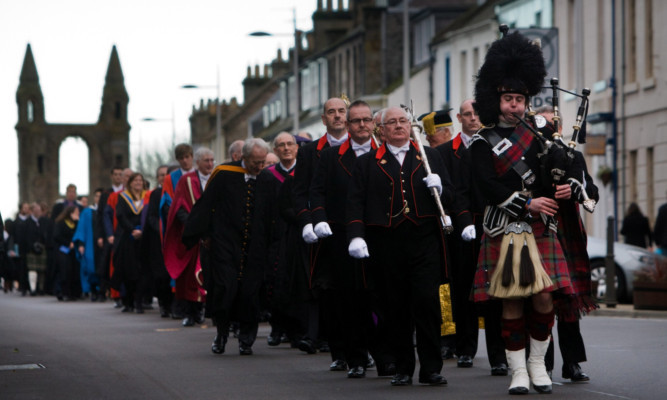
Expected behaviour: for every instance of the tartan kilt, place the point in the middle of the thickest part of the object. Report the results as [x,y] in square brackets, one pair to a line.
[550,251]
[36,262]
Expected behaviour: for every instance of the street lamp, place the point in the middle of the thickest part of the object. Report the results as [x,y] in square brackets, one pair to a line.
[295,66]
[219,145]
[172,120]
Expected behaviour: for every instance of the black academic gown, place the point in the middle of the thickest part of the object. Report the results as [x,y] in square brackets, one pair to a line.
[235,215]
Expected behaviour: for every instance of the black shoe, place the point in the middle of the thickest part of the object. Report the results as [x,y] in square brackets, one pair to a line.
[245,350]
[388,369]
[307,346]
[188,321]
[464,362]
[499,370]
[401,380]
[273,340]
[370,363]
[545,389]
[338,365]
[118,303]
[218,346]
[324,347]
[284,338]
[200,319]
[518,390]
[163,312]
[356,372]
[573,372]
[433,379]
[126,309]
[446,352]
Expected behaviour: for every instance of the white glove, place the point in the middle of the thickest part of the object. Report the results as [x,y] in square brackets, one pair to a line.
[322,230]
[448,221]
[433,181]
[358,248]
[308,234]
[468,233]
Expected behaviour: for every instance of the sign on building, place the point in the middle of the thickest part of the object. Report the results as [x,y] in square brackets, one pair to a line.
[549,40]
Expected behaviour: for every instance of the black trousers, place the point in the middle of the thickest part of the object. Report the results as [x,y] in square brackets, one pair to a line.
[345,305]
[466,312]
[570,342]
[241,304]
[409,261]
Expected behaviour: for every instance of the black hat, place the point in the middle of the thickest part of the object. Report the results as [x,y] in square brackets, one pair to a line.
[435,119]
[513,64]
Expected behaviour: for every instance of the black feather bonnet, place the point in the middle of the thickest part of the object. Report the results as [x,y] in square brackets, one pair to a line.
[513,64]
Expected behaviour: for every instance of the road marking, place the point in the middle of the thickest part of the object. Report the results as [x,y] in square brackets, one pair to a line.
[168,330]
[610,395]
[20,366]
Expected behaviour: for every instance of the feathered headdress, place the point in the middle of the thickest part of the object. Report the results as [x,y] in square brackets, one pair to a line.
[513,64]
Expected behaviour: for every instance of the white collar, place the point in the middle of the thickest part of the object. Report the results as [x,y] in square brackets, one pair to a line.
[287,169]
[247,176]
[465,139]
[395,150]
[336,142]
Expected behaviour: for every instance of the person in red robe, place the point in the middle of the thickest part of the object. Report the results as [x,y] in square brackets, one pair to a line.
[184,265]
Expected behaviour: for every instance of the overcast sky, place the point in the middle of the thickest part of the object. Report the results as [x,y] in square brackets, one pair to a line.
[162,44]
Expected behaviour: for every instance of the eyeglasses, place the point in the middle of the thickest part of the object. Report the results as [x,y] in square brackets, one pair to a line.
[357,121]
[393,122]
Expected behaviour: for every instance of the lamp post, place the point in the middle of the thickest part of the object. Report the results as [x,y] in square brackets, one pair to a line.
[295,67]
[172,120]
[219,145]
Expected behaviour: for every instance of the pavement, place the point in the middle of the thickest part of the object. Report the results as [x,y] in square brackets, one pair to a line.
[627,311]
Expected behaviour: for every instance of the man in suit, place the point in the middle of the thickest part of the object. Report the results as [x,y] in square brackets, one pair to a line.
[328,194]
[393,219]
[334,116]
[467,223]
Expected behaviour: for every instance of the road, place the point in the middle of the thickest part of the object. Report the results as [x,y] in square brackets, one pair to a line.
[82,350]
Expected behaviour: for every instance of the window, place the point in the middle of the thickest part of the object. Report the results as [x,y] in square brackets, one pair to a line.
[423,33]
[31,111]
[632,178]
[602,40]
[117,110]
[648,39]
[631,53]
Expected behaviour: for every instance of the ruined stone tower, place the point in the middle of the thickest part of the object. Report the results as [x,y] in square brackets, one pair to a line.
[39,142]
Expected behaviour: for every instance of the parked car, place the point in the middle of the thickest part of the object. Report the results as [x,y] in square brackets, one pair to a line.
[627,258]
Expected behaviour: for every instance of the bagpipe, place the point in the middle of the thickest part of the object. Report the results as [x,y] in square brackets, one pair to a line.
[416,130]
[558,162]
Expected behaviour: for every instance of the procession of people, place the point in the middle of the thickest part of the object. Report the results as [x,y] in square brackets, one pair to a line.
[344,243]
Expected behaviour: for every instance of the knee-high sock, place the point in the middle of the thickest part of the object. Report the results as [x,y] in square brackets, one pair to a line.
[514,333]
[539,325]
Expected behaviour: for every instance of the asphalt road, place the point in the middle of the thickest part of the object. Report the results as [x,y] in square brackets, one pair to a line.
[82,350]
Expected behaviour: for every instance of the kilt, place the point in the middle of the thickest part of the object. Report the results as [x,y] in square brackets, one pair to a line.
[36,262]
[551,253]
